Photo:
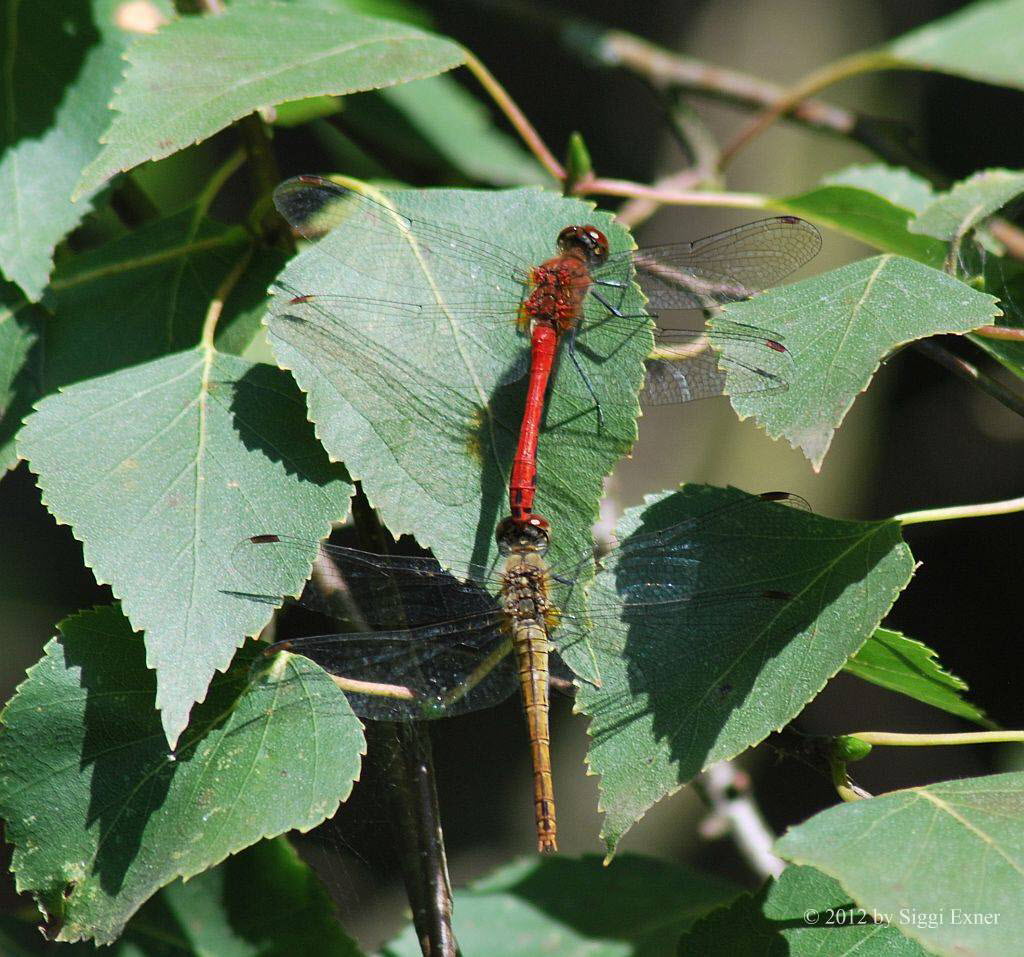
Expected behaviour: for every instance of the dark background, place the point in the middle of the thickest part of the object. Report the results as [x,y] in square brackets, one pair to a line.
[918,439]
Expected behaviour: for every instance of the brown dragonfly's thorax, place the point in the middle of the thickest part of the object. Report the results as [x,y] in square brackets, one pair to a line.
[559,287]
[525,596]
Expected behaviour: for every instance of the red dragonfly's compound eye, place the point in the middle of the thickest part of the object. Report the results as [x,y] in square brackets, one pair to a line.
[587,239]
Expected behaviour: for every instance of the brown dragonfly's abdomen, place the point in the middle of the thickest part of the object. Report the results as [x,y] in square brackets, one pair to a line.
[530,618]
[531,647]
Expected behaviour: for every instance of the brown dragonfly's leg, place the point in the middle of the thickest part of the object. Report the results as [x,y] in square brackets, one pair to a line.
[531,645]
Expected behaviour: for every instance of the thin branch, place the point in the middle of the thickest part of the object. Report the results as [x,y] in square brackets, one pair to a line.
[863,62]
[904,740]
[599,186]
[668,69]
[591,42]
[216,182]
[971,373]
[1007,333]
[406,753]
[726,790]
[980,510]
[515,116]
[637,210]
[1011,236]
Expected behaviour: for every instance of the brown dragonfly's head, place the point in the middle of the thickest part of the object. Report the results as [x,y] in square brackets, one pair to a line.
[586,242]
[522,535]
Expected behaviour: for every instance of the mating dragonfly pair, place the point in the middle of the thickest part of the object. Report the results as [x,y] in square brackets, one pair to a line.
[416,641]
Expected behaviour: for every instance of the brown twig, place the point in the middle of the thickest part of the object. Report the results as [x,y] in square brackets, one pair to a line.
[725,788]
[668,69]
[599,186]
[1006,333]
[803,90]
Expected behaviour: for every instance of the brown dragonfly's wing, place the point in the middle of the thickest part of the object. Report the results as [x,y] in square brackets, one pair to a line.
[404,637]
[434,671]
[691,578]
[726,267]
[363,591]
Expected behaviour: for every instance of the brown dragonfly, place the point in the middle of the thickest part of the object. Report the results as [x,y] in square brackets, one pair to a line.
[410,640]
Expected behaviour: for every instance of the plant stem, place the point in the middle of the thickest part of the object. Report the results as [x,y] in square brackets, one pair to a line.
[405,751]
[216,182]
[591,42]
[857,63]
[981,510]
[673,197]
[216,308]
[901,740]
[971,373]
[515,116]
[1006,333]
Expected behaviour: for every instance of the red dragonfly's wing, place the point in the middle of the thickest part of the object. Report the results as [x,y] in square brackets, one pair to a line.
[722,268]
[404,248]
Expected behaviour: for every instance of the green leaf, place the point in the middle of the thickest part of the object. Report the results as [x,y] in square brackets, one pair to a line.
[251,56]
[981,42]
[161,470]
[413,404]
[952,213]
[102,815]
[801,914]
[1004,278]
[578,908]
[262,901]
[925,857]
[143,295]
[20,359]
[838,327]
[438,116]
[894,661]
[895,183]
[873,204]
[58,75]
[677,697]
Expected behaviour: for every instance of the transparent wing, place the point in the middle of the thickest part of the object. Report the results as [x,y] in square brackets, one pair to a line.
[407,640]
[314,206]
[419,673]
[726,267]
[691,365]
[396,284]
[364,591]
[411,640]
[693,578]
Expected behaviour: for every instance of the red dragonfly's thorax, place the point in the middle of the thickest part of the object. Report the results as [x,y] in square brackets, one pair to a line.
[559,288]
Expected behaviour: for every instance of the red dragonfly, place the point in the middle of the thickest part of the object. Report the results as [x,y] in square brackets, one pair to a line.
[393,251]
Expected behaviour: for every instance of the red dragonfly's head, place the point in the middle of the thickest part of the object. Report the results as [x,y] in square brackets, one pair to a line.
[586,242]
